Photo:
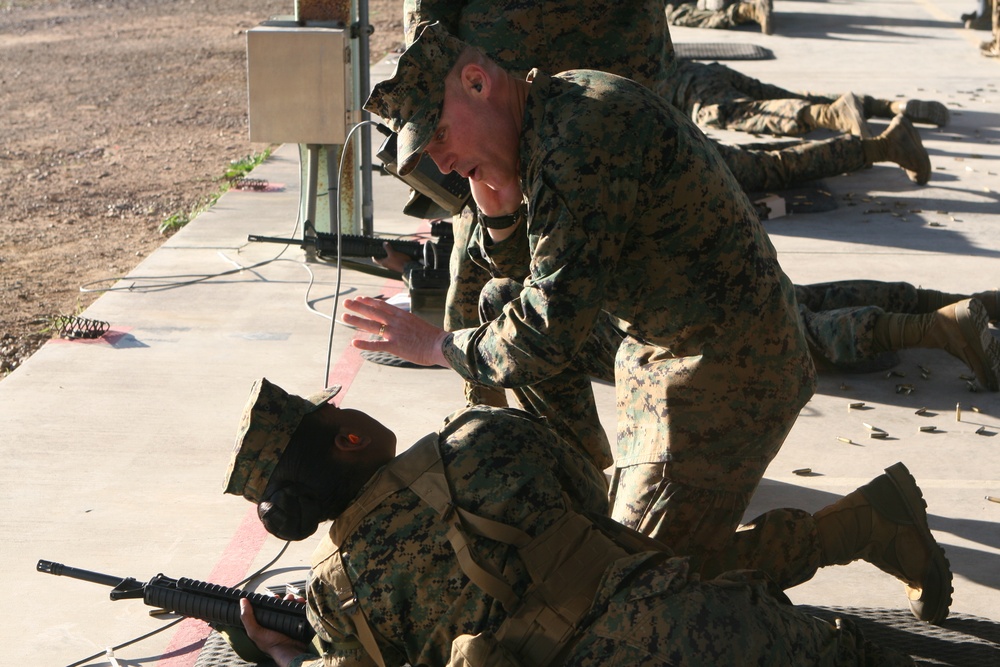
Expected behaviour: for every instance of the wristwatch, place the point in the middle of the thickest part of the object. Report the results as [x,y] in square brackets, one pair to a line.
[502,221]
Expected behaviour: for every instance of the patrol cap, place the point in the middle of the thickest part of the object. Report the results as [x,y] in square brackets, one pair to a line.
[410,102]
[270,417]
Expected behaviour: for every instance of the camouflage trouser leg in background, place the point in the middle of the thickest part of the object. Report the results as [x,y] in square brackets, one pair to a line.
[839,320]
[718,96]
[566,400]
[688,15]
[778,169]
[665,616]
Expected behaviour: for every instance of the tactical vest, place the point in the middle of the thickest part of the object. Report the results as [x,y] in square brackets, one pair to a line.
[565,563]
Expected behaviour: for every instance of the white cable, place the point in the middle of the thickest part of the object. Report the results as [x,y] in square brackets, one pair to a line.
[336,298]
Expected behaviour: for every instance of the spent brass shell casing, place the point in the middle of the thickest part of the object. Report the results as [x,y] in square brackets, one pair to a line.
[802,471]
[855,405]
[870,427]
[958,412]
[928,429]
[981,430]
[847,440]
[921,411]
[975,409]
[878,434]
[993,499]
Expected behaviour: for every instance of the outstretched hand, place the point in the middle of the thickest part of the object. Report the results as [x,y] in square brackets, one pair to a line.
[400,333]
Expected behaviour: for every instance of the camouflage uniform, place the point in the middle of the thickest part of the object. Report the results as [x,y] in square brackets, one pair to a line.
[694,15]
[839,320]
[647,608]
[629,38]
[712,367]
[716,96]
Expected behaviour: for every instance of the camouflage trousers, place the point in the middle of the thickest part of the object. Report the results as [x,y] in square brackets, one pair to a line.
[714,95]
[668,616]
[772,169]
[839,320]
[689,15]
[714,451]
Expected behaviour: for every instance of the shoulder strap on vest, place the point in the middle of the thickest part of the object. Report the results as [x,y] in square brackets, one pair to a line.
[433,489]
[395,476]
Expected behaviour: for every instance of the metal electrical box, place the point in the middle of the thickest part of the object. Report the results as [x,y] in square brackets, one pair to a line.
[299,84]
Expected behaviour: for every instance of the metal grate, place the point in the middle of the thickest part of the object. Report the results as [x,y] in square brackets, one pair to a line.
[218,653]
[961,641]
[73,327]
[721,51]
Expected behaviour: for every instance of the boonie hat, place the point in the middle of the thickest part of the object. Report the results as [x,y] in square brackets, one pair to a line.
[410,102]
[270,417]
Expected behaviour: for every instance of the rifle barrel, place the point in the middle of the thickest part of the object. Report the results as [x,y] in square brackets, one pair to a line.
[61,570]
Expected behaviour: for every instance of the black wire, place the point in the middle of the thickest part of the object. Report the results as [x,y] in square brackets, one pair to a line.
[136,640]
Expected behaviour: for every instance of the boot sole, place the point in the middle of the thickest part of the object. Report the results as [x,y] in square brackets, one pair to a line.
[920,111]
[935,596]
[973,321]
[922,173]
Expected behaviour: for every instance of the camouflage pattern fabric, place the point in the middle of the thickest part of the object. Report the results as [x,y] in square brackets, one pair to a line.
[763,170]
[667,618]
[649,609]
[690,15]
[270,417]
[839,318]
[629,38]
[566,400]
[717,96]
[713,366]
[502,465]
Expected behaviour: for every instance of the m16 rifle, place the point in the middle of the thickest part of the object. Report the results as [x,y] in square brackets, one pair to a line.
[433,254]
[215,604]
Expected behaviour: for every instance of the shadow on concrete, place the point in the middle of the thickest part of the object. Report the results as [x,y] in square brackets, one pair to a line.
[855,27]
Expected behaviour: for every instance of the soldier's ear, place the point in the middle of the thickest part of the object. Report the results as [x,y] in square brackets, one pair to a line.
[474,78]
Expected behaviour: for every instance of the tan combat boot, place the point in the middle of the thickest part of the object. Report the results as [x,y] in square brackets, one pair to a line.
[885,523]
[922,111]
[918,111]
[929,300]
[846,114]
[961,329]
[901,144]
[756,11]
[991,302]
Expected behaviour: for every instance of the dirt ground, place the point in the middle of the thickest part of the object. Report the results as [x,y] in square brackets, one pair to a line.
[114,116]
